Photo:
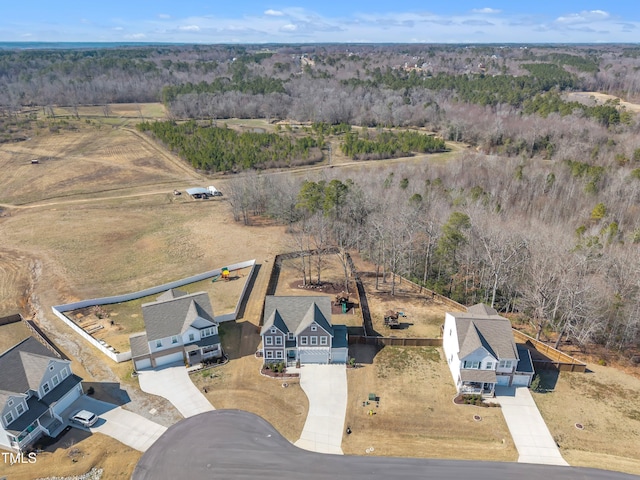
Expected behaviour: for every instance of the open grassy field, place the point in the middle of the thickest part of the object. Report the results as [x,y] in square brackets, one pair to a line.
[605,402]
[12,334]
[239,384]
[123,319]
[416,416]
[75,454]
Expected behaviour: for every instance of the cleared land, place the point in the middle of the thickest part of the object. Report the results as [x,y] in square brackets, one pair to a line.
[605,403]
[114,323]
[416,416]
[600,98]
[12,334]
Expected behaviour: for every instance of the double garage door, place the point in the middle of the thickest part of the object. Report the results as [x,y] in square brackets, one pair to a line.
[167,359]
[313,356]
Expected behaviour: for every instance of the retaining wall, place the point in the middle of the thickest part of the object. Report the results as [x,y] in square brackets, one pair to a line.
[59,310]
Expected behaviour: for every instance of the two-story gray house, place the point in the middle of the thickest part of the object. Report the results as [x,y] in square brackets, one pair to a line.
[179,327]
[299,329]
[35,388]
[481,351]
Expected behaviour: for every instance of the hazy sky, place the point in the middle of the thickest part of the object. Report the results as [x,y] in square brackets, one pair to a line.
[197,21]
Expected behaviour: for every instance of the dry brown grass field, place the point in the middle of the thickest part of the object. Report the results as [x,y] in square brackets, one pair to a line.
[11,334]
[417,416]
[89,451]
[605,402]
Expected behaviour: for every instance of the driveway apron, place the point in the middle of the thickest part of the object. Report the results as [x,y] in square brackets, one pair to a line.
[127,427]
[530,434]
[326,389]
[173,383]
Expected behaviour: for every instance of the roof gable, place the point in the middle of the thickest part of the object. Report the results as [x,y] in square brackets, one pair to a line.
[175,314]
[23,366]
[298,312]
[481,326]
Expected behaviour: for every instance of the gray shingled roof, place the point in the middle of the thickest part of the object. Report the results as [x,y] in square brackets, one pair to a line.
[294,314]
[139,345]
[23,366]
[469,375]
[481,326]
[174,314]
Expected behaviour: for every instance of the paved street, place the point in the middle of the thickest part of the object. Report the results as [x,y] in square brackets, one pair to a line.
[530,434]
[326,389]
[249,447]
[127,427]
[173,383]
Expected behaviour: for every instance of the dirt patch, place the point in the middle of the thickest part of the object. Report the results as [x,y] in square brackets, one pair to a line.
[597,98]
[605,403]
[12,334]
[415,415]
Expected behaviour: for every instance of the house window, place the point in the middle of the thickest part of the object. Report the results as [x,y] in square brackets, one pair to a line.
[191,337]
[20,409]
[314,340]
[8,418]
[269,354]
[303,340]
[278,340]
[290,336]
[10,403]
[505,364]
[279,354]
[472,365]
[55,380]
[64,373]
[489,366]
[323,340]
[273,330]
[174,339]
[313,328]
[158,343]
[46,388]
[268,340]
[51,367]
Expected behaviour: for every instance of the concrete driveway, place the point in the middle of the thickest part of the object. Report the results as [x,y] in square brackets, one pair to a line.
[326,389]
[173,383]
[530,434]
[127,427]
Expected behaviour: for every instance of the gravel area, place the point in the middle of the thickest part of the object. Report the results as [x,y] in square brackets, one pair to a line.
[93,474]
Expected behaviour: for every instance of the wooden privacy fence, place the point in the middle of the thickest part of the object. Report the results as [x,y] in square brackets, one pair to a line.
[394,341]
[35,332]
[556,359]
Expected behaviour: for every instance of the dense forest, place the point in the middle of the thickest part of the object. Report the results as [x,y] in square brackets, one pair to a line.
[539,217]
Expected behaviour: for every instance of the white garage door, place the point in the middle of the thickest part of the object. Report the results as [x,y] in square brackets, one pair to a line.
[173,358]
[144,363]
[314,356]
[520,381]
[68,399]
[339,355]
[502,380]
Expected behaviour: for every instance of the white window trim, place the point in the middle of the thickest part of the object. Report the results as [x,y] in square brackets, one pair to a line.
[290,336]
[269,354]
[314,328]
[18,407]
[158,343]
[268,340]
[324,341]
[8,418]
[192,337]
[46,386]
[278,340]
[55,380]
[64,373]
[174,339]
[489,366]
[303,341]
[10,402]
[51,367]
[279,354]
[314,340]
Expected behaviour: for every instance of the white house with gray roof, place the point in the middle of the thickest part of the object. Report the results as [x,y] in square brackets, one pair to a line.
[35,388]
[482,353]
[179,327]
[300,329]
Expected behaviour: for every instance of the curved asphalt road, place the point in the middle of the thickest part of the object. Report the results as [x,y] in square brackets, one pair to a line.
[232,444]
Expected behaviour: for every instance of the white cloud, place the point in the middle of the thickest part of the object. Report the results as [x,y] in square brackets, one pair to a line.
[189,28]
[289,27]
[584,16]
[486,10]
[274,13]
[164,16]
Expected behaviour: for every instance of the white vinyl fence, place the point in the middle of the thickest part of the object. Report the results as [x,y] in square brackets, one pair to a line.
[109,351]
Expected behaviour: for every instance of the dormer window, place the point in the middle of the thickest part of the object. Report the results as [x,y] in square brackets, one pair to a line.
[314,328]
[158,343]
[174,339]
[290,336]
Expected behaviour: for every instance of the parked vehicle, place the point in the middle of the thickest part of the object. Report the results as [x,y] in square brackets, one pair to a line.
[85,418]
[214,192]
